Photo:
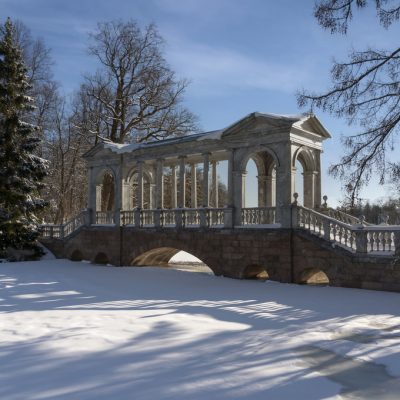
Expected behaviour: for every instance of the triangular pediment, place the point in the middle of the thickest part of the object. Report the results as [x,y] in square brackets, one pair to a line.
[258,122]
[311,124]
[96,151]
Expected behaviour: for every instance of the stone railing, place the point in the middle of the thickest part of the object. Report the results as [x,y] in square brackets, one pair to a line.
[378,239]
[343,217]
[105,217]
[258,216]
[178,217]
[190,217]
[66,229]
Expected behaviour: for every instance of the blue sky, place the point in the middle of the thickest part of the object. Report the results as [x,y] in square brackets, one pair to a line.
[240,56]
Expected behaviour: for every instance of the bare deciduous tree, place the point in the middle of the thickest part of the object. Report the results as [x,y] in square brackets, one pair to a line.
[366,91]
[134,92]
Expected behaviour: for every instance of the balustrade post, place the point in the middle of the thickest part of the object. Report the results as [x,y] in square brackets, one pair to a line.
[203,217]
[136,217]
[61,231]
[397,243]
[157,217]
[361,241]
[51,232]
[285,216]
[228,220]
[327,229]
[117,217]
[295,215]
[178,218]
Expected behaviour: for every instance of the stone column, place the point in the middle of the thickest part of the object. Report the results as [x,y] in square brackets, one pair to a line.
[92,196]
[309,188]
[182,182]
[244,174]
[238,201]
[139,188]
[214,184]
[152,190]
[270,190]
[284,185]
[262,190]
[126,196]
[206,188]
[317,196]
[99,189]
[160,183]
[174,200]
[193,184]
[230,179]
[118,194]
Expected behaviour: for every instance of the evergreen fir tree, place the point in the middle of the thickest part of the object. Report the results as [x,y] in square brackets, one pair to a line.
[21,171]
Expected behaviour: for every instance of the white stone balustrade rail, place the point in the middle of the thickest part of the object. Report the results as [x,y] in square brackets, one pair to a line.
[105,217]
[258,216]
[66,229]
[357,238]
[342,216]
[373,239]
[147,217]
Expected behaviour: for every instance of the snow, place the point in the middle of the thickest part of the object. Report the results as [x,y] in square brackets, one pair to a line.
[182,256]
[82,331]
[121,148]
[214,135]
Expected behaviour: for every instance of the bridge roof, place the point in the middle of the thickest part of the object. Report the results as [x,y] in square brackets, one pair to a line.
[306,123]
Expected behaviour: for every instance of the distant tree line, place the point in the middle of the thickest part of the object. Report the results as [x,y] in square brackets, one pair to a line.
[133,96]
[376,212]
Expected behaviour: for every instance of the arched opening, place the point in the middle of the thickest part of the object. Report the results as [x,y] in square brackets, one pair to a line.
[250,186]
[101,258]
[254,271]
[172,258]
[76,255]
[314,276]
[105,192]
[259,180]
[306,180]
[299,182]
[131,200]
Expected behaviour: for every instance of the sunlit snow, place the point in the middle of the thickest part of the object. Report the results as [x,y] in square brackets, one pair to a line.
[82,331]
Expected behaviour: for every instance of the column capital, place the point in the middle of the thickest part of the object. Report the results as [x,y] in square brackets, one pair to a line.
[310,173]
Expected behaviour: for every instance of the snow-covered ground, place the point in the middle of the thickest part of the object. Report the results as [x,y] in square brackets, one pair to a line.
[80,331]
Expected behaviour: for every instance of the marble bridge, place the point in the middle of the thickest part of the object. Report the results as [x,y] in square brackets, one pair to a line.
[146,202]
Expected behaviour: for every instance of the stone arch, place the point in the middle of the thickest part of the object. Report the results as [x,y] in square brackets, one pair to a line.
[306,157]
[266,162]
[310,181]
[105,182]
[161,251]
[256,154]
[130,188]
[101,258]
[314,276]
[76,255]
[255,271]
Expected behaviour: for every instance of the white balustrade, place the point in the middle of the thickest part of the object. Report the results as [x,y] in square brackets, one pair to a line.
[147,217]
[168,217]
[191,217]
[105,217]
[357,238]
[258,216]
[215,217]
